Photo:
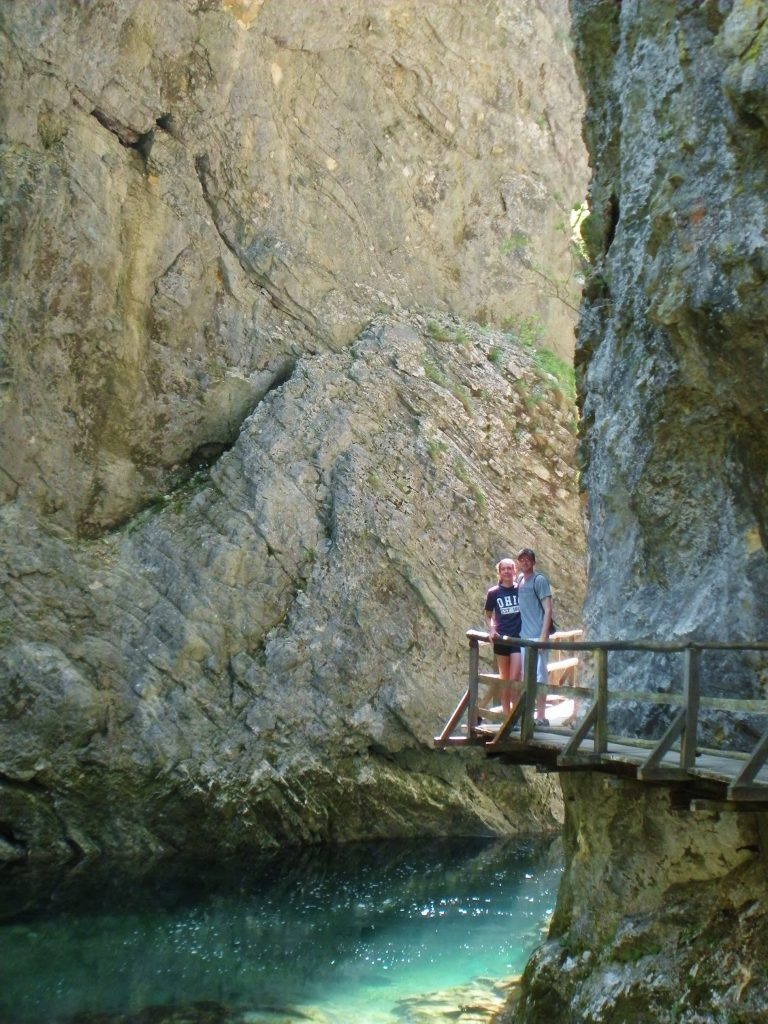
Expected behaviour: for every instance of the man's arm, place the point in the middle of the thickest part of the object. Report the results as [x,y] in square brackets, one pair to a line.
[546,604]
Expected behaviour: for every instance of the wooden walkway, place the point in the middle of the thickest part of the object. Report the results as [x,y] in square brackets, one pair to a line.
[580,741]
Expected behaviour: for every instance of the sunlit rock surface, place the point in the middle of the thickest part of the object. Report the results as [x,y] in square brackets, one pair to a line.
[661,915]
[265,654]
[197,193]
[252,496]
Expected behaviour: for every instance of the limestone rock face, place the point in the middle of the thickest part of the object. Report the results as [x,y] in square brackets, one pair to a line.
[674,929]
[672,338]
[661,916]
[197,193]
[265,654]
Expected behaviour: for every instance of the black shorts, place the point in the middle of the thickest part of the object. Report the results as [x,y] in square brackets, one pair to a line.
[505,649]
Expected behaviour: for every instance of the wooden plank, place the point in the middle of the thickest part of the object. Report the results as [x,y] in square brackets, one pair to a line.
[690,707]
[664,773]
[731,704]
[452,741]
[676,700]
[665,743]
[529,708]
[509,723]
[562,665]
[634,645]
[756,761]
[744,794]
[453,720]
[732,806]
[584,759]
[647,697]
[472,684]
[601,704]
[581,732]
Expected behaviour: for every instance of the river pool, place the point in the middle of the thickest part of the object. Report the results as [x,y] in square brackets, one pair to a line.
[385,933]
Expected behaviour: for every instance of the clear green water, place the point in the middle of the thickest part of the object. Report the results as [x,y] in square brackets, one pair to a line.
[340,934]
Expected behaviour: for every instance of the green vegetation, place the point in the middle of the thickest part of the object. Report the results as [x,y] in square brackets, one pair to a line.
[461,469]
[176,500]
[435,447]
[516,244]
[496,356]
[442,334]
[436,375]
[479,495]
[578,245]
[547,362]
[438,333]
[527,330]
[460,392]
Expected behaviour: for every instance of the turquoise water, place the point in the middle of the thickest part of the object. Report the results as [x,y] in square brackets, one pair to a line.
[340,934]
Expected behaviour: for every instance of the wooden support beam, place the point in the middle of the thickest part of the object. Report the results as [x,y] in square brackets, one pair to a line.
[654,761]
[756,761]
[748,794]
[572,748]
[442,739]
[664,773]
[690,707]
[508,724]
[473,684]
[601,704]
[529,707]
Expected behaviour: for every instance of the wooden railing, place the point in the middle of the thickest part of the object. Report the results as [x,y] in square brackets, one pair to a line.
[588,738]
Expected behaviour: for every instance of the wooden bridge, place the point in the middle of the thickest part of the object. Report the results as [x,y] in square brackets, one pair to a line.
[578,738]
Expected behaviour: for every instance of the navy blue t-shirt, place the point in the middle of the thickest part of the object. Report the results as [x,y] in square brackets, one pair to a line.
[502,601]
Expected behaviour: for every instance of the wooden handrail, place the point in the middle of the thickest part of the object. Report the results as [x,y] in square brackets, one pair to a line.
[623,645]
[683,727]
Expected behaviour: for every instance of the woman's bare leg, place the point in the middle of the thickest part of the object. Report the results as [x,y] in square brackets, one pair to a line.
[514,675]
[503,666]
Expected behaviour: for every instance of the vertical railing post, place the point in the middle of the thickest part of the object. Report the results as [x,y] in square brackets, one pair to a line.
[690,707]
[529,710]
[601,694]
[473,684]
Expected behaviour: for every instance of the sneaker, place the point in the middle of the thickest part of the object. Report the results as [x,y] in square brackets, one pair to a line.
[543,722]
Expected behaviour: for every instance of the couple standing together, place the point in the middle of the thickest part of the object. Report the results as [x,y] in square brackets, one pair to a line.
[520,605]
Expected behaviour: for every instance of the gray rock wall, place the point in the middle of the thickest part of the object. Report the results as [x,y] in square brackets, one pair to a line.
[661,915]
[265,654]
[672,337]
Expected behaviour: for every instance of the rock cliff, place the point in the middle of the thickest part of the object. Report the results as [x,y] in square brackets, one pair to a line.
[265,654]
[662,916]
[253,491]
[197,193]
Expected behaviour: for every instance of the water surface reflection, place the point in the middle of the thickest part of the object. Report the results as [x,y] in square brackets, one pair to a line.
[335,934]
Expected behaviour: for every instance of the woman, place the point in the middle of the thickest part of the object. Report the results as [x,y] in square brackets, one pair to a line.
[502,616]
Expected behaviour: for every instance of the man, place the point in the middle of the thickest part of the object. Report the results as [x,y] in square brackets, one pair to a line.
[535,599]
